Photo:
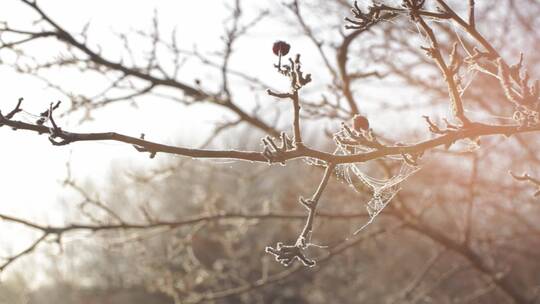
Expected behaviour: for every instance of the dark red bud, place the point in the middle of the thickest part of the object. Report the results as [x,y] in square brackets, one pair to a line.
[360,123]
[281,48]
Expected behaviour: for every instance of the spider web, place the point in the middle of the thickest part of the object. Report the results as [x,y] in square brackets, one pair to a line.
[382,190]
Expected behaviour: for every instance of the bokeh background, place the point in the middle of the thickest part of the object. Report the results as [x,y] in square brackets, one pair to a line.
[461,230]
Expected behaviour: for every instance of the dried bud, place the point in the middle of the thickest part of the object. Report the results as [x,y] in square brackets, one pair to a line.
[360,123]
[281,48]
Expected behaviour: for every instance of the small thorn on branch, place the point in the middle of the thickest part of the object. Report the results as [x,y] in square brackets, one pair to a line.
[308,203]
[144,149]
[12,113]
[57,137]
[286,254]
[436,129]
[279,95]
[46,114]
[16,110]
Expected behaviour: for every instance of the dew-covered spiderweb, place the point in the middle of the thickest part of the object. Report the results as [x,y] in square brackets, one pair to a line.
[382,190]
[32,118]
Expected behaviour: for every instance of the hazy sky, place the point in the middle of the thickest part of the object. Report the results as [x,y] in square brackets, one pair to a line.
[32,169]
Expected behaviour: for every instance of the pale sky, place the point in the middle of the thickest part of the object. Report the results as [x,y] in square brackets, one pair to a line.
[32,169]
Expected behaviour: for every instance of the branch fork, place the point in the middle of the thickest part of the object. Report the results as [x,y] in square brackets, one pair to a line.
[286,254]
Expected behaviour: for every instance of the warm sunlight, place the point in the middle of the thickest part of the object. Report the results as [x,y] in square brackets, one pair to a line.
[227,151]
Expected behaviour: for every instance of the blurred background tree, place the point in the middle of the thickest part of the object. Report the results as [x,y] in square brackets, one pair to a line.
[461,229]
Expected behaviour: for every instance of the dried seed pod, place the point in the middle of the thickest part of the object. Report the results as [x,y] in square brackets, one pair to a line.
[281,48]
[360,123]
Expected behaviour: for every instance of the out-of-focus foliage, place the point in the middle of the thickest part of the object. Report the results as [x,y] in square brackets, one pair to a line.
[461,230]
